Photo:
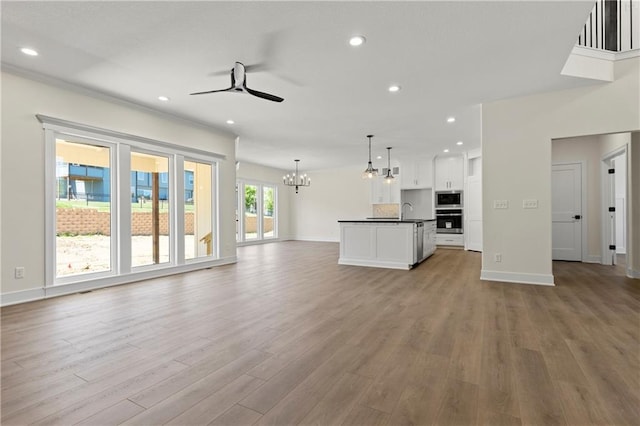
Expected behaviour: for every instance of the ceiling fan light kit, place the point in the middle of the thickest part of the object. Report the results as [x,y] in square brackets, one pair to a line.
[369,172]
[295,179]
[239,85]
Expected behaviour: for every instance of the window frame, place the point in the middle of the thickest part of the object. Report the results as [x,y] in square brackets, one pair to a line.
[51,213]
[170,196]
[240,208]
[214,212]
[121,145]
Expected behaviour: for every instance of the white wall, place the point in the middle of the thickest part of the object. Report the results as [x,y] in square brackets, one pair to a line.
[421,201]
[633,210]
[333,195]
[22,171]
[516,152]
[262,174]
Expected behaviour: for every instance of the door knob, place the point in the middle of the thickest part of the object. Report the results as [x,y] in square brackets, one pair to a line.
[577,217]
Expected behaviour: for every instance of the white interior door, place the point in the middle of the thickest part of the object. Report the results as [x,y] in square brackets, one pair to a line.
[566,207]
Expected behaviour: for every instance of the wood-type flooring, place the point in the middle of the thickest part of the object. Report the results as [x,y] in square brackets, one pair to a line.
[287,336]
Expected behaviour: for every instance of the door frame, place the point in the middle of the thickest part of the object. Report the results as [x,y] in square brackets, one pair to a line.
[583,195]
[607,236]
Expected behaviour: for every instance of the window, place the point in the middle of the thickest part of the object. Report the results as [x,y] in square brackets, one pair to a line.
[268,200]
[150,215]
[198,231]
[257,205]
[121,205]
[250,212]
[83,213]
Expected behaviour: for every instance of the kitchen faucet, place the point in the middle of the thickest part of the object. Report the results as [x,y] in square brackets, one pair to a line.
[402,209]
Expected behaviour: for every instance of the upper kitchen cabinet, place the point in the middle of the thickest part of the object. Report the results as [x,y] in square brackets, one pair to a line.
[383,192]
[416,175]
[449,173]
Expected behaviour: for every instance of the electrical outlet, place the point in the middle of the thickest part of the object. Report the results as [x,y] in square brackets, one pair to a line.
[529,204]
[19,272]
[500,204]
[497,257]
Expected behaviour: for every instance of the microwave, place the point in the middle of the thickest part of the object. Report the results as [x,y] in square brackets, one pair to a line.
[448,199]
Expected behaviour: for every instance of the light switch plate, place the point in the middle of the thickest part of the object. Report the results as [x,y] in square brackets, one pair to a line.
[500,204]
[529,204]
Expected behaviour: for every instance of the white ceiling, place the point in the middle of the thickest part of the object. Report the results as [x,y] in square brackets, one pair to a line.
[448,57]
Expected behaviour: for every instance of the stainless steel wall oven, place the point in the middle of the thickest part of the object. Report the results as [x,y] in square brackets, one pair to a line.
[449,221]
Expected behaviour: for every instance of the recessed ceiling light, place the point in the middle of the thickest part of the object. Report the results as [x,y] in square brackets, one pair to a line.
[28,51]
[230,121]
[445,150]
[357,40]
[459,143]
[379,157]
[163,98]
[451,119]
[394,88]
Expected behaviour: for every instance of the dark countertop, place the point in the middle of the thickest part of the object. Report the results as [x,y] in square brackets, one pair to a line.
[383,220]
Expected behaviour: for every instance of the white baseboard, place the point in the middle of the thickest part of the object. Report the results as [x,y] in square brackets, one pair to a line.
[593,259]
[632,273]
[374,263]
[31,295]
[316,240]
[256,242]
[517,277]
[22,296]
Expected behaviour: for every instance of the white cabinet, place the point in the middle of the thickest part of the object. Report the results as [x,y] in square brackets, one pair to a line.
[449,172]
[416,175]
[383,192]
[380,245]
[385,244]
[473,205]
[429,241]
[450,239]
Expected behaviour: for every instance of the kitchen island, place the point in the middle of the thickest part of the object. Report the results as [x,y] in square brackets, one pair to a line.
[386,243]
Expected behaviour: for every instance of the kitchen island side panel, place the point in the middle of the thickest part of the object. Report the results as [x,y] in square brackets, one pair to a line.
[377,244]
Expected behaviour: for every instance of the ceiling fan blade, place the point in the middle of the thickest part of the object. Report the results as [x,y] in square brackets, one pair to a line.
[258,67]
[218,73]
[263,95]
[212,91]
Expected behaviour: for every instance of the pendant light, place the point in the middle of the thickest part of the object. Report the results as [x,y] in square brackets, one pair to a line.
[389,176]
[296,180]
[370,172]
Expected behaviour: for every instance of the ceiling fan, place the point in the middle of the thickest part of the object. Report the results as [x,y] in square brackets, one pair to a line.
[239,84]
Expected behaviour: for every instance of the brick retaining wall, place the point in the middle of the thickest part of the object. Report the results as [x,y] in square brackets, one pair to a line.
[91,221]
[250,224]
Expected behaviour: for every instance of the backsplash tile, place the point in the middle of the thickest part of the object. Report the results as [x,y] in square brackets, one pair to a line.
[386,210]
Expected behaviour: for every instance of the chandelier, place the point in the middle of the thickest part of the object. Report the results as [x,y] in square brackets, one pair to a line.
[296,180]
[370,172]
